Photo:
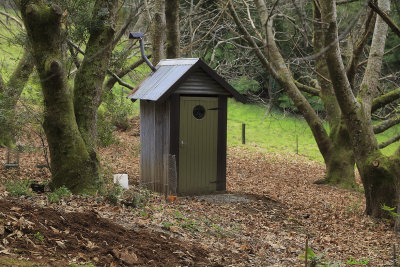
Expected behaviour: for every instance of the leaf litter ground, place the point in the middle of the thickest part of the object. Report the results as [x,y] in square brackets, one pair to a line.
[270,207]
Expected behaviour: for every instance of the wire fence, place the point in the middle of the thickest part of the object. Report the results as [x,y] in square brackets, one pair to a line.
[274,132]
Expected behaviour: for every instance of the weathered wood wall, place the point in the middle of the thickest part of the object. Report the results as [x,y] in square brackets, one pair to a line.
[154,140]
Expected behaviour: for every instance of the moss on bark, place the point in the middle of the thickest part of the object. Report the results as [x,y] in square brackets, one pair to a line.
[72,163]
[341,161]
[380,175]
[88,84]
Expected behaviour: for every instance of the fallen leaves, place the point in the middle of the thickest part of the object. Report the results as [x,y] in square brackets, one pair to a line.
[271,206]
[126,256]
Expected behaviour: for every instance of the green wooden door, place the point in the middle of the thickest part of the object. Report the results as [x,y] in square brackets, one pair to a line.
[198,132]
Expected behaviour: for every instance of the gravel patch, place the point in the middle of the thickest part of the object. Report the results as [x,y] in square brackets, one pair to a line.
[222,198]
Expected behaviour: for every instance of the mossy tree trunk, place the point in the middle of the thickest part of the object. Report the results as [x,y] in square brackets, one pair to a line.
[88,83]
[71,137]
[172,28]
[158,31]
[379,173]
[340,159]
[10,93]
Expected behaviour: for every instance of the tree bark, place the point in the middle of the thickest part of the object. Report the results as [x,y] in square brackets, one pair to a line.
[385,99]
[172,28]
[359,48]
[71,164]
[88,84]
[158,31]
[340,159]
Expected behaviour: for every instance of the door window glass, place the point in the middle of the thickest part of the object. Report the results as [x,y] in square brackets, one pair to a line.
[199,112]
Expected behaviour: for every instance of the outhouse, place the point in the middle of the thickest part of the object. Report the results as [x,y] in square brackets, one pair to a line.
[183,118]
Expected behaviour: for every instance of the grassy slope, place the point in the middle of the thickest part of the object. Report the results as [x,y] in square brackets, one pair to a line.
[9,52]
[278,132]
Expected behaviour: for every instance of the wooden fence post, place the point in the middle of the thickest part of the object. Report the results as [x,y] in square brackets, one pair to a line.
[243,133]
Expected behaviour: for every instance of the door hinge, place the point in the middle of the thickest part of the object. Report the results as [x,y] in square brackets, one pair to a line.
[213,109]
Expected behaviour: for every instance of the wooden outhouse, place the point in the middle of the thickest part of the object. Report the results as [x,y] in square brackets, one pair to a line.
[183,112]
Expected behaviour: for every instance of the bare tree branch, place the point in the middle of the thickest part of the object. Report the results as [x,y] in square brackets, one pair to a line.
[385,17]
[383,126]
[13,18]
[121,82]
[385,99]
[389,141]
[117,77]
[337,39]
[308,89]
[345,2]
[358,48]
[386,53]
[251,20]
[209,31]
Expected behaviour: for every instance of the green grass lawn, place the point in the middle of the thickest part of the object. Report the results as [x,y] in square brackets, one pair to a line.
[271,132]
[278,132]
[10,53]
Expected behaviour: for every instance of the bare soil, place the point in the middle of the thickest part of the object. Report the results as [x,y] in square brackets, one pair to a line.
[45,235]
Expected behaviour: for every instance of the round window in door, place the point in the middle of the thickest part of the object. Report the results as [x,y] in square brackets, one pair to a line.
[199,112]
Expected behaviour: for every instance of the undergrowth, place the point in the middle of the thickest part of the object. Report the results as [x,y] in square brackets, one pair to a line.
[58,194]
[19,188]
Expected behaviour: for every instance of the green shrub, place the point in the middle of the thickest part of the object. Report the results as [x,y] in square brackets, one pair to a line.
[285,102]
[105,130]
[136,198]
[20,188]
[119,111]
[244,85]
[114,193]
[58,194]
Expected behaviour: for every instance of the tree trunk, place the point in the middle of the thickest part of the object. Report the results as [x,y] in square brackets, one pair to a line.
[172,27]
[380,175]
[10,94]
[88,84]
[71,164]
[340,159]
[158,31]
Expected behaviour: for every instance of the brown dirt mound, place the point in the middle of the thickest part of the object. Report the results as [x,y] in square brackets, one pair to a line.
[46,235]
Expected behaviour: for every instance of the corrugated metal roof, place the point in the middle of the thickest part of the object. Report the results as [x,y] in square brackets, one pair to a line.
[171,72]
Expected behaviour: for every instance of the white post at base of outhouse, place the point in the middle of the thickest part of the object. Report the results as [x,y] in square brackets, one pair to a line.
[122,180]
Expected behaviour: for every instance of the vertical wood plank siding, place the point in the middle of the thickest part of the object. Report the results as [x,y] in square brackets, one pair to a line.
[174,130]
[147,143]
[154,139]
[222,133]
